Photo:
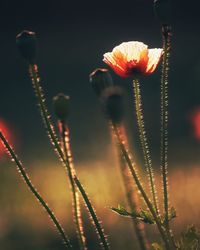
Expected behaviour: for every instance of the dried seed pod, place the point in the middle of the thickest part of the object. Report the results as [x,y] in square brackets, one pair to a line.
[61,106]
[100,79]
[113,105]
[26,42]
[163,11]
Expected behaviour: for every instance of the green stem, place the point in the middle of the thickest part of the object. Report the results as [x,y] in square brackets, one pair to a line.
[133,171]
[97,224]
[131,194]
[164,121]
[27,180]
[166,34]
[144,142]
[33,70]
[75,195]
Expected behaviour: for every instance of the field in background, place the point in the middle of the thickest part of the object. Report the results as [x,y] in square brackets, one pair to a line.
[24,225]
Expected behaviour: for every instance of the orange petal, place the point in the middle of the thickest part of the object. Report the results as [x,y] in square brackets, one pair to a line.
[113,63]
[128,57]
[143,61]
[130,51]
[131,58]
[109,59]
[154,56]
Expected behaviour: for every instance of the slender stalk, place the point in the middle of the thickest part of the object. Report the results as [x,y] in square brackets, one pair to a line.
[33,70]
[96,222]
[166,35]
[133,171]
[144,142]
[75,196]
[164,120]
[27,180]
[131,194]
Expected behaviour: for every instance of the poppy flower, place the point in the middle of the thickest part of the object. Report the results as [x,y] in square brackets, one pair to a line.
[133,59]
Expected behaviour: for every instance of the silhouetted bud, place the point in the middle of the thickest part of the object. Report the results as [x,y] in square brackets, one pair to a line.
[100,79]
[163,11]
[26,42]
[61,106]
[112,98]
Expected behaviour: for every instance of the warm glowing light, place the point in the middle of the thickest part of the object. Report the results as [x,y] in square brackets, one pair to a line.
[4,129]
[196,123]
[133,59]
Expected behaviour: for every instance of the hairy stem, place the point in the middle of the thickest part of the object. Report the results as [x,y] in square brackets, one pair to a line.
[164,121]
[144,142]
[131,194]
[133,171]
[33,70]
[27,180]
[75,196]
[166,35]
[95,220]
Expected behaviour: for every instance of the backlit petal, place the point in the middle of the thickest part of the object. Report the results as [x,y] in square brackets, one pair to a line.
[110,60]
[130,51]
[154,58]
[132,58]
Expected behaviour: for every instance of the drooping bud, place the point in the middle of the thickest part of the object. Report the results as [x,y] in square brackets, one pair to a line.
[113,105]
[61,106]
[26,42]
[163,11]
[100,79]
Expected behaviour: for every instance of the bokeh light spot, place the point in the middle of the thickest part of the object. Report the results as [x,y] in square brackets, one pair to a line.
[5,130]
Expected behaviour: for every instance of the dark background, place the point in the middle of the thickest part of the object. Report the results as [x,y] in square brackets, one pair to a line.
[72,38]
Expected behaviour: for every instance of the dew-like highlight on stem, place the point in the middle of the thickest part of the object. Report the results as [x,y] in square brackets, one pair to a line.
[166,35]
[94,219]
[144,143]
[50,129]
[133,170]
[26,178]
[65,138]
[130,189]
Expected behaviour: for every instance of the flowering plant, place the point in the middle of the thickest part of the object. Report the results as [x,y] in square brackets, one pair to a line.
[129,59]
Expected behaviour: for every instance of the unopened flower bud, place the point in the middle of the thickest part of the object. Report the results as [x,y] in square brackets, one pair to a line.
[100,79]
[26,42]
[163,11]
[61,106]
[113,104]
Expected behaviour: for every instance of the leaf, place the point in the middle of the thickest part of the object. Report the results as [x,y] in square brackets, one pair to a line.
[156,246]
[147,217]
[121,211]
[143,215]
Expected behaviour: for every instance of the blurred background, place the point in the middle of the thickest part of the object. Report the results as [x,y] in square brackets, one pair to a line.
[72,38]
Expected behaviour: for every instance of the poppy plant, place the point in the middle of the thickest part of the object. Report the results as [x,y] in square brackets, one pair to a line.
[133,59]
